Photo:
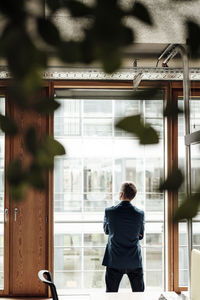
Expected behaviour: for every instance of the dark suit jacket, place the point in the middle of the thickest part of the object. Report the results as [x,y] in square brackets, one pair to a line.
[124,223]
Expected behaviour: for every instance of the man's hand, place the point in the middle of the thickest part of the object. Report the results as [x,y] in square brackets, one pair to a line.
[140,236]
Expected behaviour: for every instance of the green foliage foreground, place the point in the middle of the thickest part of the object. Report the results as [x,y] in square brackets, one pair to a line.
[27,52]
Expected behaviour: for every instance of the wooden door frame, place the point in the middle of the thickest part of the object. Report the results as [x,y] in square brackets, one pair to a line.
[8,271]
[51,199]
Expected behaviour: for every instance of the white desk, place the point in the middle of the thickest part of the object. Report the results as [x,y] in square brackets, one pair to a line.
[134,296]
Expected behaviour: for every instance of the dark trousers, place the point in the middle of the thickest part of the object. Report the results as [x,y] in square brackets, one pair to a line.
[114,276]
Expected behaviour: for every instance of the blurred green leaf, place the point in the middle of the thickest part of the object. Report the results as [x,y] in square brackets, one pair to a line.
[108,34]
[12,8]
[44,159]
[77,9]
[54,4]
[87,53]
[111,62]
[46,105]
[48,31]
[188,208]
[21,91]
[35,177]
[135,125]
[140,11]
[126,36]
[49,149]
[17,192]
[173,181]
[15,174]
[69,51]
[31,141]
[148,135]
[8,125]
[53,147]
[19,50]
[193,30]
[147,94]
[17,94]
[31,84]
[108,10]
[172,110]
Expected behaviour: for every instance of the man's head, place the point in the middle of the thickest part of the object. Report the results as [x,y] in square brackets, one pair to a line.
[128,191]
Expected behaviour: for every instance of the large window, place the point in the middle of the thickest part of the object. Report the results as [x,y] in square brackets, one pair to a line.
[99,158]
[2,159]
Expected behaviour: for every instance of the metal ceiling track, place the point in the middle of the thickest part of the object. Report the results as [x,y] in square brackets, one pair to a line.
[63,73]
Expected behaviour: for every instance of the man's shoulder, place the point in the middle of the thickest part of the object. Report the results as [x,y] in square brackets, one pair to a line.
[139,211]
[111,208]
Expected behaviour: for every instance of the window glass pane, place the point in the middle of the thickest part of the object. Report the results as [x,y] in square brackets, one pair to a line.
[154,279]
[95,239]
[94,279]
[195,114]
[2,176]
[183,255]
[67,280]
[67,185]
[125,108]
[93,258]
[154,258]
[153,239]
[88,179]
[97,108]
[71,258]
[131,167]
[195,166]
[97,118]
[97,184]
[97,127]
[196,235]
[67,119]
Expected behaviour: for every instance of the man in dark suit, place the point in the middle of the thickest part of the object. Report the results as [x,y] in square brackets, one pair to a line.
[124,223]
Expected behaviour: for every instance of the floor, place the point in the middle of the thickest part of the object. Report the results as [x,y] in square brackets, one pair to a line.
[114,296]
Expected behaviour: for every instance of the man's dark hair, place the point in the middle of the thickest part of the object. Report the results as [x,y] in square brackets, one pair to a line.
[129,190]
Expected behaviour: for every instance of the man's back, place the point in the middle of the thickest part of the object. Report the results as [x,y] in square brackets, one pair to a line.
[125,225]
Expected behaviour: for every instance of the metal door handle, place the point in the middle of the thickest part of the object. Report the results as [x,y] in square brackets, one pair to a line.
[5,214]
[16,212]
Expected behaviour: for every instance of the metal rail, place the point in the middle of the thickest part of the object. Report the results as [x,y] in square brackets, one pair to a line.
[186,94]
[95,222]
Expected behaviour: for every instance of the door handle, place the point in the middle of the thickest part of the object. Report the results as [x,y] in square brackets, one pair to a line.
[15,213]
[6,215]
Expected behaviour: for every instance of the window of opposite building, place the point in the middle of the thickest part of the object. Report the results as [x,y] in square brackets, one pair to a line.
[88,178]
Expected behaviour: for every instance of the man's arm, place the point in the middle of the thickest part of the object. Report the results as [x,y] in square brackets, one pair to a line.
[105,224]
[141,235]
